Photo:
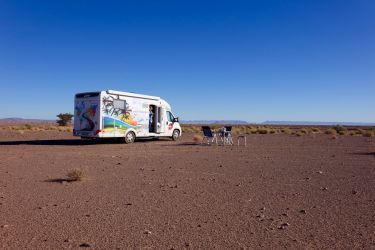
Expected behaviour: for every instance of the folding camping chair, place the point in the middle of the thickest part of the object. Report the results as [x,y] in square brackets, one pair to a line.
[227,135]
[209,135]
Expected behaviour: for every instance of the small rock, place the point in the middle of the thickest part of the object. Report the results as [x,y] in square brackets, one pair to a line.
[320,172]
[187,244]
[285,214]
[302,211]
[324,188]
[147,232]
[84,245]
[284,226]
[260,216]
[354,192]
[4,226]
[129,204]
[263,209]
[118,163]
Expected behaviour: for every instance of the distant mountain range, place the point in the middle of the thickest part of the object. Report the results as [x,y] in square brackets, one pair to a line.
[214,122]
[16,120]
[307,123]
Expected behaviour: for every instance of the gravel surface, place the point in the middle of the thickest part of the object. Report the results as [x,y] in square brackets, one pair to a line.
[280,191]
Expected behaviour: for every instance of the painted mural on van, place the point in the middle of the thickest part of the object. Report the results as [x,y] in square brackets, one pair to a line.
[86,110]
[118,115]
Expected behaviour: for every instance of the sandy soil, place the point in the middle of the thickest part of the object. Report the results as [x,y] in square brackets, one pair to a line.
[281,191]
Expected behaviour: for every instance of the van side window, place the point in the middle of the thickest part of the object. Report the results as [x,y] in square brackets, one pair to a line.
[119,104]
[170,116]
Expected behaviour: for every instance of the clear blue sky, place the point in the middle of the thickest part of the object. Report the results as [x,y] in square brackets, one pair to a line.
[250,60]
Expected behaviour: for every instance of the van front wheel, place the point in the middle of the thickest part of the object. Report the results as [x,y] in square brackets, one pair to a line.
[175,135]
[129,137]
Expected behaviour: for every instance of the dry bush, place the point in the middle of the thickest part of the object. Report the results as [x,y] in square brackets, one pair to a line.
[368,134]
[286,131]
[28,126]
[75,175]
[304,131]
[299,133]
[342,132]
[262,131]
[316,130]
[359,132]
[330,132]
[340,128]
[197,138]
[253,130]
[352,133]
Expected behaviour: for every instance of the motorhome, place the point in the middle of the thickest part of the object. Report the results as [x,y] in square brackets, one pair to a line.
[116,114]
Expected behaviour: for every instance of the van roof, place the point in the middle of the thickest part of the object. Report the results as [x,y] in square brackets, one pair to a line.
[114,92]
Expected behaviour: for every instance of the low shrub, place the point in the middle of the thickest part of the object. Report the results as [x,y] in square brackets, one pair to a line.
[342,132]
[368,134]
[315,130]
[28,126]
[340,128]
[304,131]
[286,131]
[75,175]
[299,133]
[262,131]
[197,138]
[330,131]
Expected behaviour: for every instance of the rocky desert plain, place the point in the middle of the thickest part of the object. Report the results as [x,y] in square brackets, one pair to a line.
[289,188]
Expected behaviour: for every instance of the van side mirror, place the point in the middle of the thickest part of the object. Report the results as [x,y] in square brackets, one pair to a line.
[175,119]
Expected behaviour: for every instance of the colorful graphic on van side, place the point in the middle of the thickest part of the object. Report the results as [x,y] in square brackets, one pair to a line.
[86,111]
[110,122]
[118,115]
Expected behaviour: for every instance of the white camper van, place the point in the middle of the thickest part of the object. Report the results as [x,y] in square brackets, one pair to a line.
[110,114]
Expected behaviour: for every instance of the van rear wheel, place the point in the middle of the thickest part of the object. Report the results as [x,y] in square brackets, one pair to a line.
[175,135]
[129,137]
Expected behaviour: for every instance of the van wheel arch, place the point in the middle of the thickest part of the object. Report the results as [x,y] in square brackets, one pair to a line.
[129,137]
[176,134]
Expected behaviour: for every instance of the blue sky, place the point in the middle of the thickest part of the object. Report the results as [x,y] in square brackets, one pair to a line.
[249,60]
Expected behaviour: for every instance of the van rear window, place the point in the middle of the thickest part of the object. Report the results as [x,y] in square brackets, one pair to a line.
[88,94]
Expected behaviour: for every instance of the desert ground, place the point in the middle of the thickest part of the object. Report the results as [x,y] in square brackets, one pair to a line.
[282,191]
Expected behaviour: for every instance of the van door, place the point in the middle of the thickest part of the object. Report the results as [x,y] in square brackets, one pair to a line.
[161,120]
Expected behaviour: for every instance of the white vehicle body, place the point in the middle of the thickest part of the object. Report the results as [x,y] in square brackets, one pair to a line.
[106,114]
